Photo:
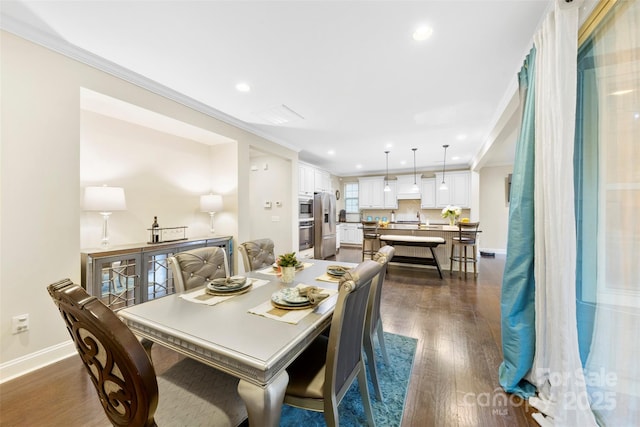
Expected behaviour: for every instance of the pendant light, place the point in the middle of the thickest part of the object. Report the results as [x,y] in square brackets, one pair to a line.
[386,177]
[415,187]
[443,186]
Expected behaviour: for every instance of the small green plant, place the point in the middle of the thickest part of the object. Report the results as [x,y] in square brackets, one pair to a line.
[287,260]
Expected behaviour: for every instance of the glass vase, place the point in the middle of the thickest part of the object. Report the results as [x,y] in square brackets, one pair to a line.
[452,221]
[287,274]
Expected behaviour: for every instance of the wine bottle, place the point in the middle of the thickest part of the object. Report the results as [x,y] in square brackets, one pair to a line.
[155,233]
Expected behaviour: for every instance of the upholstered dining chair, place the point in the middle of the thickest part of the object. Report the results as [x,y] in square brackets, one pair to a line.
[322,374]
[187,393]
[373,321]
[257,254]
[466,238]
[196,267]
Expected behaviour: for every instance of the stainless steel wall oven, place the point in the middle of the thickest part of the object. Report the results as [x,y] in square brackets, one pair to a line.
[306,234]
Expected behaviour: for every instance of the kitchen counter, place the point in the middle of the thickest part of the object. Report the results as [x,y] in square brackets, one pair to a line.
[443,252]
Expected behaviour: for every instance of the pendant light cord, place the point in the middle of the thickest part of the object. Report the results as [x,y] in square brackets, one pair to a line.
[414,166]
[444,163]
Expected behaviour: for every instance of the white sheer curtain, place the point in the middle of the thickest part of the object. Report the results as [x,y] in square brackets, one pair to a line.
[557,370]
[612,363]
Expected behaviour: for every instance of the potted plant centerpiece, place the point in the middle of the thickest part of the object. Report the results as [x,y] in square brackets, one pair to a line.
[287,263]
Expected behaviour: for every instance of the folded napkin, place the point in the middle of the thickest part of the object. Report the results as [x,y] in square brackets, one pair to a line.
[313,294]
[230,282]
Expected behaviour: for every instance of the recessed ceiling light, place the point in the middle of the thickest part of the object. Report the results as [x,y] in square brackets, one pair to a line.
[422,33]
[403,162]
[455,158]
[389,145]
[243,87]
[622,92]
[461,137]
[331,152]
[358,166]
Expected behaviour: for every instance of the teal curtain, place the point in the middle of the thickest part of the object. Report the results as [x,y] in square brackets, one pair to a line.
[518,286]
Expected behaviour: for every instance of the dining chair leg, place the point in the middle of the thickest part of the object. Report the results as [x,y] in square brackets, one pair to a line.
[364,393]
[371,364]
[383,347]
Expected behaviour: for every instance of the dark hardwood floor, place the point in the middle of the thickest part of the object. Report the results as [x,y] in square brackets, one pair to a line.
[455,373]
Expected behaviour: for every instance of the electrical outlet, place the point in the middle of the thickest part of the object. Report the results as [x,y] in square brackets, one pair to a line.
[20,324]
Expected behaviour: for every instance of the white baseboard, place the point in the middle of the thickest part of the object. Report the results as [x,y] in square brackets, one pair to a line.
[31,362]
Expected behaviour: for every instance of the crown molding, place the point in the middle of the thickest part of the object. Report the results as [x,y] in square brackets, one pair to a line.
[63,47]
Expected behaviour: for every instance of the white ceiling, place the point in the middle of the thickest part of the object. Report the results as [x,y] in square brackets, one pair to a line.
[350,68]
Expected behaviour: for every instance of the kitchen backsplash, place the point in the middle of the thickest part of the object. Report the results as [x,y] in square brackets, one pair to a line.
[408,210]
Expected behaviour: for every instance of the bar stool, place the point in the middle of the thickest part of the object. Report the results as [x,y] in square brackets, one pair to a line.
[467,237]
[370,238]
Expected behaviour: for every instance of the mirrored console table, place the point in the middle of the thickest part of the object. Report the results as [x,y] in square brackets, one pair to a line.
[125,275]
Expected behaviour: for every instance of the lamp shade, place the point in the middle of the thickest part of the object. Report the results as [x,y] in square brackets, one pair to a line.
[211,203]
[104,199]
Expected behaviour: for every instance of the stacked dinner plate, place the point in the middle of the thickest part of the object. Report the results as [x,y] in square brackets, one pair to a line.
[226,286]
[290,299]
[337,271]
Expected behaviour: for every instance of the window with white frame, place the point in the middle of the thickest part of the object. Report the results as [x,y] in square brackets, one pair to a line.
[351,197]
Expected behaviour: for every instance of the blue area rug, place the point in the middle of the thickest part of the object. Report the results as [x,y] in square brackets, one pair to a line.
[394,380]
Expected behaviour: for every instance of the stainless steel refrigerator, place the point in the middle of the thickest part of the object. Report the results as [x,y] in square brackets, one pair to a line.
[324,217]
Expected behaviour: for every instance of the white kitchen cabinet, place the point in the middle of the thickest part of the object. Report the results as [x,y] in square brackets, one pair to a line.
[350,234]
[390,198]
[428,190]
[322,180]
[370,192]
[458,192]
[306,179]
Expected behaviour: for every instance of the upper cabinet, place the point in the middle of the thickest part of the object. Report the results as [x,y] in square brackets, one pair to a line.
[390,198]
[371,194]
[306,179]
[428,190]
[312,180]
[322,180]
[458,192]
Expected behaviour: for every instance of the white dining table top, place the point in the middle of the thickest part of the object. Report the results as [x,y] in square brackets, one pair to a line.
[226,335]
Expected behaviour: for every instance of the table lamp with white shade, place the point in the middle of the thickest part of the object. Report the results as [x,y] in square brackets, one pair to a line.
[104,200]
[211,203]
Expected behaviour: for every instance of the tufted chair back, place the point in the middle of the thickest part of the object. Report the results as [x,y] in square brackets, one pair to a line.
[257,254]
[197,267]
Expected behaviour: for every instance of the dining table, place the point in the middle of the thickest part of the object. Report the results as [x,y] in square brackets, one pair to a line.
[243,335]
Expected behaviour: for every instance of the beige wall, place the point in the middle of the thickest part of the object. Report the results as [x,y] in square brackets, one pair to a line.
[494,212]
[41,188]
[163,175]
[270,182]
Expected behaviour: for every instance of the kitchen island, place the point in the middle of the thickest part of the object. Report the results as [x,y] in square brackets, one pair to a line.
[442,251]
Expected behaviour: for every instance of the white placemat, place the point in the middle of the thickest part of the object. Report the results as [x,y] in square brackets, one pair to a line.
[201,296]
[266,309]
[273,272]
